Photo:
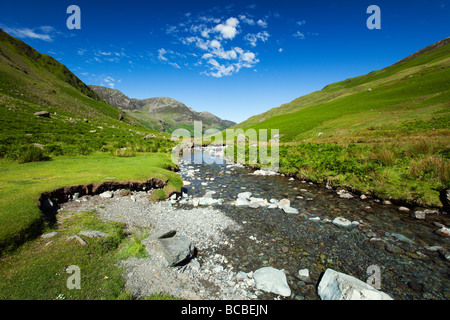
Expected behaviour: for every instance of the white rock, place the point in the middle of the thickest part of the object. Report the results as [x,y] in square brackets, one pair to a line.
[284,202]
[420,215]
[272,280]
[340,286]
[241,202]
[288,209]
[245,195]
[106,194]
[303,275]
[444,232]
[345,195]
[186,183]
[342,222]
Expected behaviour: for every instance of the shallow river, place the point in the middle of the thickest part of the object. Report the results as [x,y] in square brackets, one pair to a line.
[385,237]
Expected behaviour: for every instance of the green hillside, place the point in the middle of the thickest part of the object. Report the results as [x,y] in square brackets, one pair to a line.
[415,89]
[80,139]
[386,133]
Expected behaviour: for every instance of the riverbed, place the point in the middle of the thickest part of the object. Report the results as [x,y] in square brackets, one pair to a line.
[411,257]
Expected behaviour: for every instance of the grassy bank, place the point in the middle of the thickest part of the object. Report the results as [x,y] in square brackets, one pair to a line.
[37,270]
[22,184]
[408,169]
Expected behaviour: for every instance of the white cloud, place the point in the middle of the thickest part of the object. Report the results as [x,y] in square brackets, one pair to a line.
[253,38]
[301,22]
[261,23]
[246,20]
[299,35]
[280,50]
[81,51]
[162,57]
[213,44]
[161,53]
[228,30]
[30,33]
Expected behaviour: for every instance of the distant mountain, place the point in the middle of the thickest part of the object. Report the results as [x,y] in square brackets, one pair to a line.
[161,113]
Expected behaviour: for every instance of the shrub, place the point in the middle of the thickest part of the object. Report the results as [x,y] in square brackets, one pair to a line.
[32,154]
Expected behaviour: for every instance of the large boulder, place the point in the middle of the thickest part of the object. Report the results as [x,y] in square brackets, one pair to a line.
[340,286]
[177,249]
[272,280]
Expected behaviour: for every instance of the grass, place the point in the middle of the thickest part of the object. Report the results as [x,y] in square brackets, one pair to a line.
[22,184]
[37,270]
[410,172]
[386,133]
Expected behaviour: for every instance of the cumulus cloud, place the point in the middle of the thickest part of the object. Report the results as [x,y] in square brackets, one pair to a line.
[253,38]
[219,42]
[229,29]
[262,23]
[246,20]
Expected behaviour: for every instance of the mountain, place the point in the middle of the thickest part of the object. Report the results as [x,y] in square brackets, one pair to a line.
[76,119]
[413,93]
[161,113]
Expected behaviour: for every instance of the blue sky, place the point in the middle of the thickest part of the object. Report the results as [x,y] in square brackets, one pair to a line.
[234,59]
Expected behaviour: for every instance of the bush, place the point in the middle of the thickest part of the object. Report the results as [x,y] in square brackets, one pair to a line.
[32,154]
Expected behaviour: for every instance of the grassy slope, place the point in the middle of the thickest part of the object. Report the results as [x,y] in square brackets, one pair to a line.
[81,124]
[408,82]
[391,141]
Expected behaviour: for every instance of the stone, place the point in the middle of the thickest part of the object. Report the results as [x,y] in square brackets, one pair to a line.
[303,275]
[288,209]
[342,222]
[186,183]
[241,202]
[49,235]
[284,202]
[93,234]
[45,114]
[272,280]
[106,194]
[244,195]
[177,249]
[443,232]
[345,195]
[403,209]
[340,286]
[420,215]
[78,239]
[241,276]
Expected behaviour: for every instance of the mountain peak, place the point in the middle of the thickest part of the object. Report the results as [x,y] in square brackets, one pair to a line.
[161,113]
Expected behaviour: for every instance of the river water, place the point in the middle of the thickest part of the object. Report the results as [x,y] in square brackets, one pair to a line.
[385,237]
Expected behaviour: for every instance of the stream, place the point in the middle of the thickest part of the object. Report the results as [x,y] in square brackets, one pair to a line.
[412,258]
